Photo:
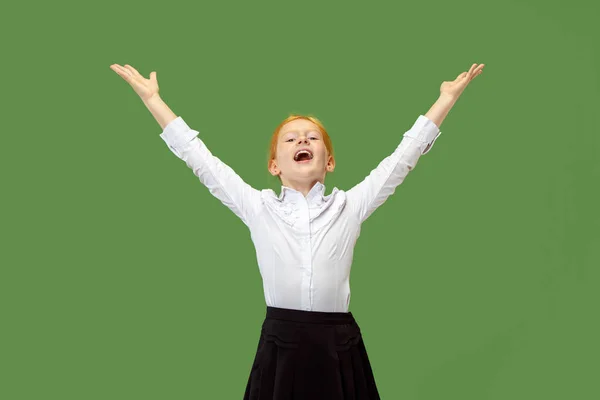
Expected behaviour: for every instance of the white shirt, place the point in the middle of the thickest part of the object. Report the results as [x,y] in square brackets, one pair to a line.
[304,246]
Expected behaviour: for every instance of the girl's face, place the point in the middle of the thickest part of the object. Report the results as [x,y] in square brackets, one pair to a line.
[293,166]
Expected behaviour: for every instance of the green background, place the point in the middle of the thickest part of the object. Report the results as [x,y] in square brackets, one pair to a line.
[123,278]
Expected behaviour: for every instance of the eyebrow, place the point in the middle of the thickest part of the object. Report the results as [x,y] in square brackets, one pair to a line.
[295,131]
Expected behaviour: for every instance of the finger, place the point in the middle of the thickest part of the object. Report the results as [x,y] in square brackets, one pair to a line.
[123,72]
[472,69]
[475,74]
[133,78]
[133,71]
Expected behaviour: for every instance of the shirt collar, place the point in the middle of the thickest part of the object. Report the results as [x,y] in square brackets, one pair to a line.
[316,192]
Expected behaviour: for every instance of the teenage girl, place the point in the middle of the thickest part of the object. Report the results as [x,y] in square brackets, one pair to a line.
[310,345]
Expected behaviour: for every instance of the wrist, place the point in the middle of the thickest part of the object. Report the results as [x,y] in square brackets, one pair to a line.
[448,97]
[440,109]
[155,98]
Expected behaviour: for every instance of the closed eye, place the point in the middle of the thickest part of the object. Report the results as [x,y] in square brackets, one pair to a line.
[310,138]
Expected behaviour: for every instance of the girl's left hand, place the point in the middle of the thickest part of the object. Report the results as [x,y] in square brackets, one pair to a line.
[456,87]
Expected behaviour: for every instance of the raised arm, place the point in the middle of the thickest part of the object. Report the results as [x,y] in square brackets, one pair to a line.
[219,178]
[373,191]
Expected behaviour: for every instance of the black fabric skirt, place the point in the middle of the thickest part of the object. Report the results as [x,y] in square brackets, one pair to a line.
[310,355]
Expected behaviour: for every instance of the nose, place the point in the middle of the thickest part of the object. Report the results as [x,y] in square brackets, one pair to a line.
[304,140]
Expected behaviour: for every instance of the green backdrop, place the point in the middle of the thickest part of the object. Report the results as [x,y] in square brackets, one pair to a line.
[122,277]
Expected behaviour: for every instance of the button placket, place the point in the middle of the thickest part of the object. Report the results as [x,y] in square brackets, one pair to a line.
[307,259]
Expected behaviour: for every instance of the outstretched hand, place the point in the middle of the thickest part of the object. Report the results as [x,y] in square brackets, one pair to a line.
[145,88]
[456,87]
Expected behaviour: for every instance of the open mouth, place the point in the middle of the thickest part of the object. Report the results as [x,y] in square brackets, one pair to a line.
[303,156]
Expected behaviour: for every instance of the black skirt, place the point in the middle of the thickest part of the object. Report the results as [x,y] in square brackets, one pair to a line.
[310,355]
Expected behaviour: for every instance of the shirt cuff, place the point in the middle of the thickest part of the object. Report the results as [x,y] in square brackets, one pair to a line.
[425,131]
[177,134]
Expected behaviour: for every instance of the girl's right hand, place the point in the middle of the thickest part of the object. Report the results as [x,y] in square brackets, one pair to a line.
[145,88]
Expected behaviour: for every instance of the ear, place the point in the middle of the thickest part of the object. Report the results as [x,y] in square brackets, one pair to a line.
[330,164]
[273,169]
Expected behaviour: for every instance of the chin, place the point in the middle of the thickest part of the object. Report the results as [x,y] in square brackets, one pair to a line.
[308,167]
[305,171]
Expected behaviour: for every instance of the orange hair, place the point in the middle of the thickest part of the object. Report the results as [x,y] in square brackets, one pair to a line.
[292,117]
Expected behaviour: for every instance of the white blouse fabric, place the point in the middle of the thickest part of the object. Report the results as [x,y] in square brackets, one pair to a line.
[304,245]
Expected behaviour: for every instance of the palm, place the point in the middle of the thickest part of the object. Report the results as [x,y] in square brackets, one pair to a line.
[456,87]
[145,88]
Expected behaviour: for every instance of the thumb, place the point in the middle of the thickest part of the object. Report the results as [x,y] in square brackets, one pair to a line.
[153,75]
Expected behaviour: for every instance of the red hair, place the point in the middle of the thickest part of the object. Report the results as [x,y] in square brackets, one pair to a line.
[292,117]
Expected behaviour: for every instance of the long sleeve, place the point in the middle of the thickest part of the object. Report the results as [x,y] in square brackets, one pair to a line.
[220,179]
[373,191]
